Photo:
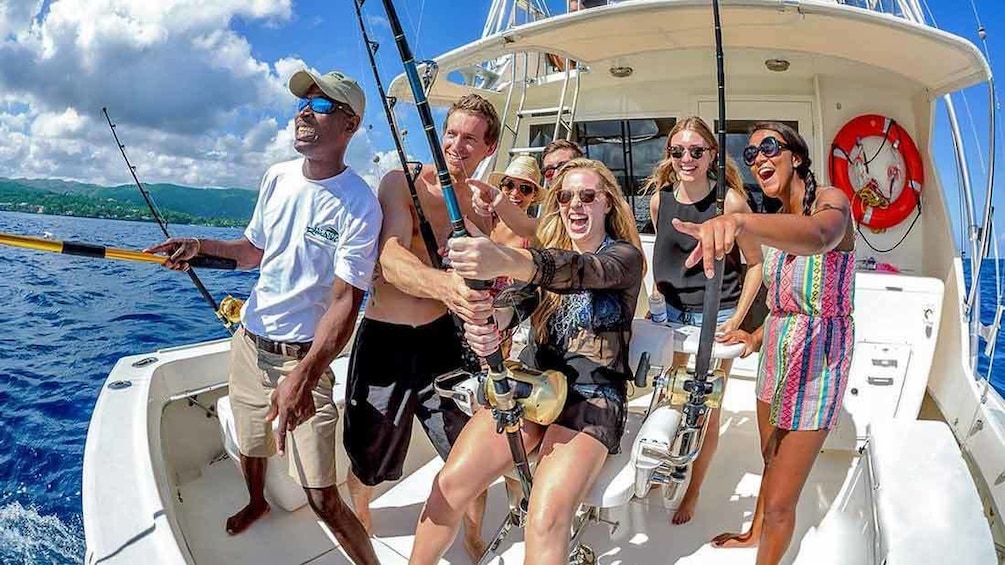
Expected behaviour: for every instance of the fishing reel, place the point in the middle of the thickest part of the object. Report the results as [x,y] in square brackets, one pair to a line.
[230,311]
[675,418]
[539,395]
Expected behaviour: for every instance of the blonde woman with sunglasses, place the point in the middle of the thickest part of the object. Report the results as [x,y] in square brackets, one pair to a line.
[685,183]
[588,271]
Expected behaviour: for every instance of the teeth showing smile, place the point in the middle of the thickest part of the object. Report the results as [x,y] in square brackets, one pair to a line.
[305,131]
[765,173]
[688,168]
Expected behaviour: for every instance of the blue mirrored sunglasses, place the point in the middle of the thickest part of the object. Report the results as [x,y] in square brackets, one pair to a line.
[321,105]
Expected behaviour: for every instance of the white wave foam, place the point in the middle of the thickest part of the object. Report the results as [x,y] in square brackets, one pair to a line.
[29,538]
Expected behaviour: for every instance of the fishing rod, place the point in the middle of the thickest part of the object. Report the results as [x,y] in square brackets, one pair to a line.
[425,228]
[96,251]
[195,261]
[700,387]
[506,410]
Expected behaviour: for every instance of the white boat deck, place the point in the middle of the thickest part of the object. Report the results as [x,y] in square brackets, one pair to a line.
[645,534]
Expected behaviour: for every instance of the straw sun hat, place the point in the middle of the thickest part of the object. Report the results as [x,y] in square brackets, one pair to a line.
[522,167]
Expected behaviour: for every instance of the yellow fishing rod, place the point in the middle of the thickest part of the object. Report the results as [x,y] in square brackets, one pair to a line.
[96,251]
[229,310]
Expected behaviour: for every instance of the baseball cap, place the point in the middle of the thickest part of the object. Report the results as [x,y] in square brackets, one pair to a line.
[334,85]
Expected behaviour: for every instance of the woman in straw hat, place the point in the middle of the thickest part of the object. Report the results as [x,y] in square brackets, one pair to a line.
[507,197]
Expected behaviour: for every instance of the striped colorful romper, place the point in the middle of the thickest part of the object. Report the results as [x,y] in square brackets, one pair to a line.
[809,335]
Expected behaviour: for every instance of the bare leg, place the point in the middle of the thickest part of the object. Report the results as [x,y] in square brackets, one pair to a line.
[478,457]
[751,536]
[570,462]
[790,465]
[328,505]
[474,545]
[254,478]
[686,509]
[360,495]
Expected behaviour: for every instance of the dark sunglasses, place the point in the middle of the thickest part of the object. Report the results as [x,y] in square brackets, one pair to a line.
[509,184]
[321,105]
[550,170]
[586,196]
[696,151]
[770,146]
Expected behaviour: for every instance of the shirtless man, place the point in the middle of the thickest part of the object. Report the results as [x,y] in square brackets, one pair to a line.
[407,335]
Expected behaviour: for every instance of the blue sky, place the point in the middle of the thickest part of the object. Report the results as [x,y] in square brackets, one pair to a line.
[198,88]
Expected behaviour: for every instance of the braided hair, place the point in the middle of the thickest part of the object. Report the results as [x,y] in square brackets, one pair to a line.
[797,145]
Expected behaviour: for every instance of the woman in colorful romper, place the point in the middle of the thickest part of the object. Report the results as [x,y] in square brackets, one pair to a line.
[807,339]
[588,271]
[685,184]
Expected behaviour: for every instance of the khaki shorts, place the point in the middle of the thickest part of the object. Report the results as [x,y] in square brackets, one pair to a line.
[310,448]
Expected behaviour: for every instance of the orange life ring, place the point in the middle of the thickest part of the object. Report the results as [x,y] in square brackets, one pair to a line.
[874,196]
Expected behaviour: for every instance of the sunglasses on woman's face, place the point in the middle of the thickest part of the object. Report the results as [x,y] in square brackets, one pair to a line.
[550,170]
[696,151]
[508,185]
[586,196]
[769,146]
[321,105]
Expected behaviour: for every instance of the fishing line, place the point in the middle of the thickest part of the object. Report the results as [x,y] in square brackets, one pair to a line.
[226,318]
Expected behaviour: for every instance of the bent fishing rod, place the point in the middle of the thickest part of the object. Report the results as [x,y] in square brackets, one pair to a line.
[196,261]
[701,387]
[506,411]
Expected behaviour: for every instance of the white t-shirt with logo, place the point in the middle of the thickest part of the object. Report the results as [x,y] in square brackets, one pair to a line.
[310,231]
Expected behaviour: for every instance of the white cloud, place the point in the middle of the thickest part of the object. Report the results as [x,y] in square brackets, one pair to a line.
[192,102]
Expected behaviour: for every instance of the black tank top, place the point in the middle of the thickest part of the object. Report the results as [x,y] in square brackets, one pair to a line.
[684,289]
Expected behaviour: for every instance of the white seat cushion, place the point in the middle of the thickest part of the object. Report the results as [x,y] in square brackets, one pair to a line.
[686,339]
[920,462]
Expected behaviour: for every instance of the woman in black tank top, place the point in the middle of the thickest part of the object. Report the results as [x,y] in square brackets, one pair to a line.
[685,188]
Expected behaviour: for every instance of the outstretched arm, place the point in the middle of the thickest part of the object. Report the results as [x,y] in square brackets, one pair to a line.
[487,199]
[797,234]
[182,249]
[618,265]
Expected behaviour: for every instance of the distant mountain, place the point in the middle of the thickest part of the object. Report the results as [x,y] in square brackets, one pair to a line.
[214,206]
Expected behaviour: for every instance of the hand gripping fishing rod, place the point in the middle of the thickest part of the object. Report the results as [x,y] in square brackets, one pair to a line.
[700,387]
[228,305]
[507,411]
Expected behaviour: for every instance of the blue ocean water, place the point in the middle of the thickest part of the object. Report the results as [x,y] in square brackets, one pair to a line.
[65,322]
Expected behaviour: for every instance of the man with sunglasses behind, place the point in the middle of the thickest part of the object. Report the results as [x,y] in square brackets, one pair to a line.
[313,236]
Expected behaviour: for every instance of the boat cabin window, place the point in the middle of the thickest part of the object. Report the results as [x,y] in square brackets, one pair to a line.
[631,149]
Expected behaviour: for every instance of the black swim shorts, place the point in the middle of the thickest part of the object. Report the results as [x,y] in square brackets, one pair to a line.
[391,380]
[597,410]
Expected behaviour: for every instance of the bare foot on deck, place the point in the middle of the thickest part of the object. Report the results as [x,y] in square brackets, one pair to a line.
[685,511]
[475,548]
[731,540]
[246,517]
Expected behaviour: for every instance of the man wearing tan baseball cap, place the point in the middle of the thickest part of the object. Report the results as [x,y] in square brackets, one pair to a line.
[334,85]
[314,237]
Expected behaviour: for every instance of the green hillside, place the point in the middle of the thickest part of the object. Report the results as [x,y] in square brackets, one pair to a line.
[179,204]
